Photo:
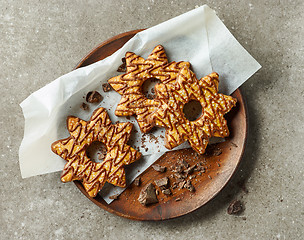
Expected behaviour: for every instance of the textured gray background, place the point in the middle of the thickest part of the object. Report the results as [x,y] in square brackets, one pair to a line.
[41,40]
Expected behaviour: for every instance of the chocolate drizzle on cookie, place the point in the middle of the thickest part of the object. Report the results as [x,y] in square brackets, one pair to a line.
[79,166]
[129,85]
[170,115]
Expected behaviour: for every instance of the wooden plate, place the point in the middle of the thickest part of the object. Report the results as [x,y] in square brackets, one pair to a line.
[218,168]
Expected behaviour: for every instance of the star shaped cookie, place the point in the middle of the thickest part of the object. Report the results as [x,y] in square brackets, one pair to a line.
[170,113]
[129,85]
[79,166]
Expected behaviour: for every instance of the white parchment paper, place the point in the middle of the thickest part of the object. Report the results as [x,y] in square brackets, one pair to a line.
[197,36]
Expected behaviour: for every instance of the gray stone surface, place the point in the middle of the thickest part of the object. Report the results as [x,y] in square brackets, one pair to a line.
[41,40]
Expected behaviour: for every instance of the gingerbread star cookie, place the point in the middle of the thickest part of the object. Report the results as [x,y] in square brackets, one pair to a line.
[79,166]
[170,113]
[129,85]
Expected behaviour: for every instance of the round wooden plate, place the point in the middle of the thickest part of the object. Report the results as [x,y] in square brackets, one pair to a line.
[219,167]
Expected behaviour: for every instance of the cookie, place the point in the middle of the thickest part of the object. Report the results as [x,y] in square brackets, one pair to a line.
[129,84]
[170,114]
[79,166]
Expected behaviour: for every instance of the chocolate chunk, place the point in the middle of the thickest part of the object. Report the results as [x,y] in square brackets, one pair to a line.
[166,191]
[137,181]
[188,185]
[159,168]
[84,106]
[123,66]
[94,97]
[147,195]
[106,87]
[235,207]
[114,196]
[163,182]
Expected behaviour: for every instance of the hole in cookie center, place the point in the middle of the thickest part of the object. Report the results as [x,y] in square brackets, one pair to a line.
[148,87]
[97,152]
[192,110]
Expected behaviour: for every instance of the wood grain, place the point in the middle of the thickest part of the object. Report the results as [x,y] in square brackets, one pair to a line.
[219,169]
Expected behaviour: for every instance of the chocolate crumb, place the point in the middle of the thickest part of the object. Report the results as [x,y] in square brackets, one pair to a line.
[178,169]
[114,196]
[190,170]
[244,218]
[174,185]
[183,163]
[235,207]
[106,87]
[179,177]
[181,185]
[189,186]
[137,181]
[166,191]
[163,182]
[147,195]
[94,97]
[123,66]
[159,168]
[84,106]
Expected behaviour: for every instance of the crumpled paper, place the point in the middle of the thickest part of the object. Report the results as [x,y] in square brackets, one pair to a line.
[197,36]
